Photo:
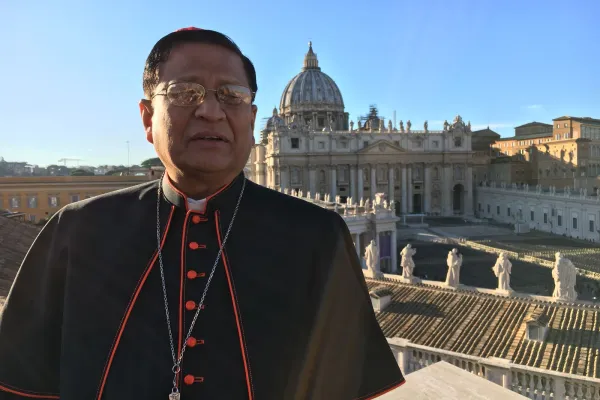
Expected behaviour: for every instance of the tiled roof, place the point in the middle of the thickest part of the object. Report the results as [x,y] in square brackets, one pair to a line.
[485,325]
[15,239]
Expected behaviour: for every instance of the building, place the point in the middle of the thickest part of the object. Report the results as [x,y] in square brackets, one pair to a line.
[564,154]
[560,211]
[38,197]
[310,145]
[533,345]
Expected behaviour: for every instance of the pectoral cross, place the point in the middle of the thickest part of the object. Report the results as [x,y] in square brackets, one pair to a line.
[175,396]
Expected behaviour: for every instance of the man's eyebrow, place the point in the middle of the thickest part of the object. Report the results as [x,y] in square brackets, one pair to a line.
[195,78]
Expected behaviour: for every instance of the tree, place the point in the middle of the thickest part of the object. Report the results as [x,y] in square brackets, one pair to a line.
[152,162]
[81,172]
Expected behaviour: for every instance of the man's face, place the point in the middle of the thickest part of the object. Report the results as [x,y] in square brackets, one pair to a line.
[177,131]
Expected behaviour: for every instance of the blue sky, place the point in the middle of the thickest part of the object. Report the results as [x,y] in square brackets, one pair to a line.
[72,69]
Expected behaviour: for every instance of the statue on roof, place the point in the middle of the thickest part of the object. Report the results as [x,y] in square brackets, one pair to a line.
[454,262]
[390,127]
[381,125]
[565,275]
[406,261]
[401,126]
[502,269]
[446,126]
[408,125]
[426,126]
[372,258]
[351,126]
[469,127]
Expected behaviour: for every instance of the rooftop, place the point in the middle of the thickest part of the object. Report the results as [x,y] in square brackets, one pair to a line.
[483,324]
[15,239]
[534,123]
[578,119]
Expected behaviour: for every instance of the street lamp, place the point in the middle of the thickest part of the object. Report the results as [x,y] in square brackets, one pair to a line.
[128,164]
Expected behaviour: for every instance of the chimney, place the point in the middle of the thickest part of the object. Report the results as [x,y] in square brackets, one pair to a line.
[537,325]
[381,296]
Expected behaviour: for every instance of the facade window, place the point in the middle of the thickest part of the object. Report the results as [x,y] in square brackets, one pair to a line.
[488,208]
[457,141]
[53,201]
[321,122]
[532,215]
[295,176]
[365,144]
[322,176]
[343,144]
[559,220]
[592,225]
[508,211]
[321,145]
[435,144]
[397,143]
[15,202]
[295,143]
[498,210]
[74,198]
[479,207]
[32,218]
[545,217]
[574,222]
[32,202]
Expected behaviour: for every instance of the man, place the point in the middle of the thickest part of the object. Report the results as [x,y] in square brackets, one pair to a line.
[201,285]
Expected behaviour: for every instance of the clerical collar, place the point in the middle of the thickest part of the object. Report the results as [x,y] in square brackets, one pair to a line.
[224,197]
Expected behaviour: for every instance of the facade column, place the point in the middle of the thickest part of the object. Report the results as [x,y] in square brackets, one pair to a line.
[373,181]
[427,185]
[333,191]
[353,191]
[357,243]
[312,180]
[404,190]
[410,189]
[360,185]
[284,177]
[394,250]
[469,194]
[446,191]
[391,183]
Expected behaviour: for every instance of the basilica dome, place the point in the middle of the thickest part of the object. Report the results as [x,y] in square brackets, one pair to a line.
[311,91]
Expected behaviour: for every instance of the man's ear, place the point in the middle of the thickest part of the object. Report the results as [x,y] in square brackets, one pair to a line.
[254,111]
[146,112]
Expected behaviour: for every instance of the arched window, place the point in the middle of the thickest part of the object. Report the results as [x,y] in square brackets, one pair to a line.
[322,176]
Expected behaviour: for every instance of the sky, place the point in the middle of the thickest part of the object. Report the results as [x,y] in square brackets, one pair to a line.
[72,69]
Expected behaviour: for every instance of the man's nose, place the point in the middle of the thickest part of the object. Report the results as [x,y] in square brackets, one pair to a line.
[210,109]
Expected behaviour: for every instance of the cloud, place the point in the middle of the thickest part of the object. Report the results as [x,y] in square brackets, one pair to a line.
[534,107]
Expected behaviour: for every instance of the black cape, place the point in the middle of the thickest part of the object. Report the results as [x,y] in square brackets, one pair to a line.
[287,314]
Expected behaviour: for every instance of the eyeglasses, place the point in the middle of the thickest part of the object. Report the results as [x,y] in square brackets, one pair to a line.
[188,94]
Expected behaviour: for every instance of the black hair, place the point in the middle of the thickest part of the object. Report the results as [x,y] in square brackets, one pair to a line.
[162,49]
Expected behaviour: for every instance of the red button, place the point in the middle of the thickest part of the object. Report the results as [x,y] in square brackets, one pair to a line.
[192,274]
[191,342]
[194,245]
[196,219]
[189,379]
[190,305]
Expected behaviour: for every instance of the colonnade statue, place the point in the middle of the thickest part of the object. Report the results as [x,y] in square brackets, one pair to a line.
[502,269]
[407,263]
[454,262]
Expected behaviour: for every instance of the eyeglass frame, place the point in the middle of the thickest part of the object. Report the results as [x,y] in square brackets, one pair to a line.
[163,92]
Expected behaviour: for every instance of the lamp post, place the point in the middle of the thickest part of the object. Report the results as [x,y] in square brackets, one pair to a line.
[128,164]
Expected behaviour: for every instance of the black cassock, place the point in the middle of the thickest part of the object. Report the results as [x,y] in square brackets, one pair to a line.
[287,314]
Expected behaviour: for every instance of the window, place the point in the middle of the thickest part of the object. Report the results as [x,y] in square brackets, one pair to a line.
[295,176]
[295,143]
[32,202]
[322,176]
[321,122]
[343,144]
[365,144]
[435,144]
[592,225]
[457,141]
[488,208]
[479,206]
[559,220]
[545,217]
[508,211]
[532,215]
[498,210]
[574,222]
[15,202]
[32,218]
[397,143]
[321,145]
[53,201]
[74,198]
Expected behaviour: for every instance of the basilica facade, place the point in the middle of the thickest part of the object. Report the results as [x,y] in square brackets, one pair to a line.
[310,145]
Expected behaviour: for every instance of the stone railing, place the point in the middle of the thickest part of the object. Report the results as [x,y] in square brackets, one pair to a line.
[533,383]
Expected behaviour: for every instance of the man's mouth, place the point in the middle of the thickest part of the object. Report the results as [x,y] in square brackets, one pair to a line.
[214,138]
